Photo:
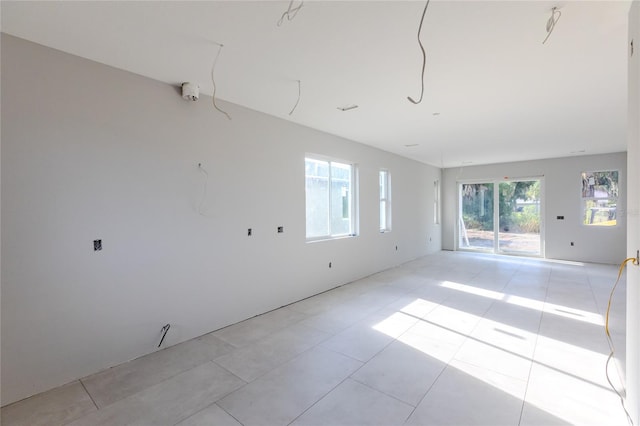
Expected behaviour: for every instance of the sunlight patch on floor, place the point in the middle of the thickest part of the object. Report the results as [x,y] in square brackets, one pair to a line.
[473,290]
[525,302]
[565,380]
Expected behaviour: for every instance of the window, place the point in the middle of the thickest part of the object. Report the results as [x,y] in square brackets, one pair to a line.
[599,198]
[385,201]
[329,198]
[436,202]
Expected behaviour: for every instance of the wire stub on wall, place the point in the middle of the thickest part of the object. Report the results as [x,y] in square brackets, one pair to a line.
[291,12]
[348,107]
[297,101]
[202,170]
[213,80]
[551,22]
[164,332]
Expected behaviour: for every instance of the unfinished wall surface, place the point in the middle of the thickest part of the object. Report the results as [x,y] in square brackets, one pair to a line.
[561,197]
[633,236]
[91,152]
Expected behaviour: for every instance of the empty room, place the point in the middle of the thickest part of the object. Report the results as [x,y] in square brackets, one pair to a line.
[320,213]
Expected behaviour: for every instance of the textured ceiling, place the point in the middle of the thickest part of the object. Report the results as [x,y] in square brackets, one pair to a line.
[493,91]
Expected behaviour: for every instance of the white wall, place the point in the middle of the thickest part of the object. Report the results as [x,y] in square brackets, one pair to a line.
[562,184]
[92,152]
[633,236]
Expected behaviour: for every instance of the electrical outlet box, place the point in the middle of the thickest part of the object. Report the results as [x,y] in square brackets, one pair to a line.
[280,229]
[97,245]
[249,232]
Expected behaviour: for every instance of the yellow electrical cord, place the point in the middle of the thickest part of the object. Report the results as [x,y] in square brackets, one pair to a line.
[620,271]
[610,340]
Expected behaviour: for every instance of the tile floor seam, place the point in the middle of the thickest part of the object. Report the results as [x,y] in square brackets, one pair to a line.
[156,383]
[231,415]
[322,397]
[205,408]
[280,365]
[393,339]
[381,391]
[428,390]
[468,337]
[595,299]
[193,414]
[533,354]
[201,338]
[275,366]
[89,394]
[364,363]
[232,373]
[390,303]
[189,369]
[220,398]
[278,329]
[347,355]
[222,338]
[493,370]
[252,342]
[292,307]
[465,336]
[324,331]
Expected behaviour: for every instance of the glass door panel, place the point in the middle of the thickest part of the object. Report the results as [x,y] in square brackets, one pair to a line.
[519,217]
[476,217]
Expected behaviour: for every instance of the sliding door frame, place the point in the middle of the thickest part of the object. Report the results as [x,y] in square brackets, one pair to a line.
[496,214]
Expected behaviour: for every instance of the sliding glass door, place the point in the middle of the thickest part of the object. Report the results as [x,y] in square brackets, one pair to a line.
[476,216]
[500,216]
[519,217]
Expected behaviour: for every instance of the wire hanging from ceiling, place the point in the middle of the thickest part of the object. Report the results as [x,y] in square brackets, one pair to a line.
[296,105]
[213,80]
[291,12]
[424,57]
[551,22]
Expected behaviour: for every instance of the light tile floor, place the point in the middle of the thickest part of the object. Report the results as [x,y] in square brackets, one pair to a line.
[448,339]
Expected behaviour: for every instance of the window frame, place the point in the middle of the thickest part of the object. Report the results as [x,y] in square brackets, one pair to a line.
[385,199]
[436,202]
[584,199]
[353,198]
